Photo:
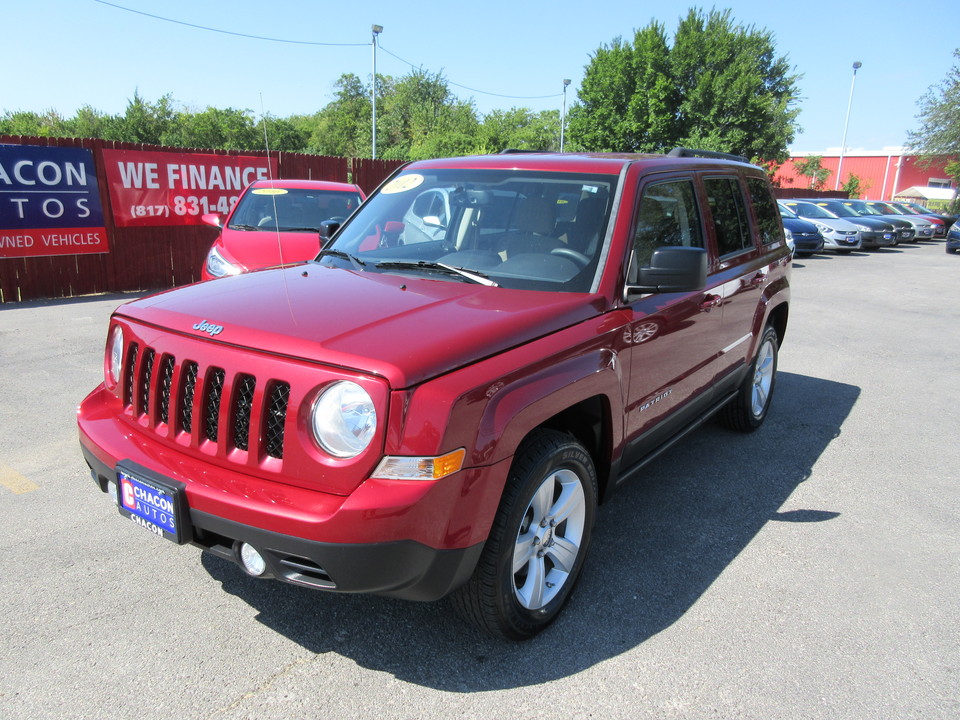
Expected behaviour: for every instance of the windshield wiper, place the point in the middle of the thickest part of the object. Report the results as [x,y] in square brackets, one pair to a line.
[473,276]
[243,227]
[299,229]
[357,262]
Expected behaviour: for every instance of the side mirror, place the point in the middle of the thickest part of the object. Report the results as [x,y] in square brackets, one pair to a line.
[671,269]
[211,219]
[432,221]
[328,228]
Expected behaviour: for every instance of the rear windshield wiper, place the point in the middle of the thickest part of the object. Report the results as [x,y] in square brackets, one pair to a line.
[474,276]
[357,262]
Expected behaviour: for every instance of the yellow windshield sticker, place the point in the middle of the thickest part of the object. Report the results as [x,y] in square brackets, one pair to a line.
[269,191]
[402,184]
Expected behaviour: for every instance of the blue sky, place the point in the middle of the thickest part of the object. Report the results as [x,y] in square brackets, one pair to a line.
[63,54]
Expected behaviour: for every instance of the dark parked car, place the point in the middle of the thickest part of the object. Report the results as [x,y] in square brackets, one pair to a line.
[906,230]
[923,225]
[805,236]
[953,238]
[939,230]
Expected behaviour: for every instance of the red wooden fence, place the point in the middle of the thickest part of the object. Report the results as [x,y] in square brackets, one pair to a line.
[159,257]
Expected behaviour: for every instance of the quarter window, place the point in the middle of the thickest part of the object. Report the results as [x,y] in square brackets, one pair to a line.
[765,208]
[729,215]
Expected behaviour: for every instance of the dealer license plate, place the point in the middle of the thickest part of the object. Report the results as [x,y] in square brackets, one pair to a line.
[156,504]
[888,236]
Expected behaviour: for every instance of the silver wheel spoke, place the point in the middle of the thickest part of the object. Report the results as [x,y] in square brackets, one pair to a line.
[523,552]
[542,500]
[570,500]
[531,594]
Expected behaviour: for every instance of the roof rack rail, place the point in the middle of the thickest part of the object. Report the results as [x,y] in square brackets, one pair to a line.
[519,151]
[688,152]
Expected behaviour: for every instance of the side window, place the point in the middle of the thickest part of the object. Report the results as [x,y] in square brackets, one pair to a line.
[667,215]
[729,215]
[766,210]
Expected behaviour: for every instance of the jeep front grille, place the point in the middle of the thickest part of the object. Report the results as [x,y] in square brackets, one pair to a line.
[233,409]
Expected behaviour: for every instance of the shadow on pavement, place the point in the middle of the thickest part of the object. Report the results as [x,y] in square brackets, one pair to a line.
[659,543]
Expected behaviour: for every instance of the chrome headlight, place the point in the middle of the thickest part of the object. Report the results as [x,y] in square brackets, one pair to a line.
[218,266]
[115,354]
[824,228]
[344,419]
[861,227]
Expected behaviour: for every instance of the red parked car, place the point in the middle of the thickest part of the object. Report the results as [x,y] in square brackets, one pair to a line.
[438,403]
[276,222]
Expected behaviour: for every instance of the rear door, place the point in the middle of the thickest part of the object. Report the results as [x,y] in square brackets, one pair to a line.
[741,273]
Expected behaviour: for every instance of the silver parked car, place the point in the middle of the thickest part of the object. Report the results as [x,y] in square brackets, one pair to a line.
[875,232]
[839,235]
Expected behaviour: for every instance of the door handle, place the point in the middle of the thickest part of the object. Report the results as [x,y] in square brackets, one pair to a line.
[709,302]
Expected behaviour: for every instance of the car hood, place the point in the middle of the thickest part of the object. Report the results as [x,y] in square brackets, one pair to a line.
[795,225]
[405,329]
[259,249]
[841,224]
[874,223]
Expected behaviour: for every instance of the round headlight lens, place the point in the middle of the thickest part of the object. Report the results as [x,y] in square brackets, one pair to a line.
[344,419]
[115,357]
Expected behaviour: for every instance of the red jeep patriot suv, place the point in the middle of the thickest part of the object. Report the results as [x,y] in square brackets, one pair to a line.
[439,401]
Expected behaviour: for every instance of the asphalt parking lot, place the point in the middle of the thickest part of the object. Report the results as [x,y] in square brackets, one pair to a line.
[810,570]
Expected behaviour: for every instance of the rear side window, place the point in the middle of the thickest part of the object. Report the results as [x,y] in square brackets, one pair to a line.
[667,215]
[766,210]
[729,215]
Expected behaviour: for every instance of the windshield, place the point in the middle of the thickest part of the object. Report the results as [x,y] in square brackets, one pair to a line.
[291,209]
[786,212]
[517,229]
[886,209]
[861,208]
[809,210]
[838,210]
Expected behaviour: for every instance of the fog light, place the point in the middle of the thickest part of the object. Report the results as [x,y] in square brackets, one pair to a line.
[252,560]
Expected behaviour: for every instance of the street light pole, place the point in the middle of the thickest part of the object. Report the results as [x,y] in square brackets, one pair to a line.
[376,29]
[563,117]
[843,147]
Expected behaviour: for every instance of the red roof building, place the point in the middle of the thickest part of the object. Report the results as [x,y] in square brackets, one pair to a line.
[884,174]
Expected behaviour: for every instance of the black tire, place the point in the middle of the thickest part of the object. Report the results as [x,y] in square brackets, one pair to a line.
[748,409]
[538,541]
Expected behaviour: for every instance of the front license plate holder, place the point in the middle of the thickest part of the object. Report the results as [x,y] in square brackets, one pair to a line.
[156,503]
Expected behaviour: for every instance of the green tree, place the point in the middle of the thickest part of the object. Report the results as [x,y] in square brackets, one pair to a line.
[21,122]
[939,132]
[145,122]
[720,86]
[812,167]
[518,128]
[855,186]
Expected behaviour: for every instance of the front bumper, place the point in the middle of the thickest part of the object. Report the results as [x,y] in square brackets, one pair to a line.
[409,539]
[839,241]
[877,239]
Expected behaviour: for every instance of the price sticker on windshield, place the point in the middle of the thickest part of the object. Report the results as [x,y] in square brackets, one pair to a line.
[402,184]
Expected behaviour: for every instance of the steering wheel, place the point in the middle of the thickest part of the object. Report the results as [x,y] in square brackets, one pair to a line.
[578,257]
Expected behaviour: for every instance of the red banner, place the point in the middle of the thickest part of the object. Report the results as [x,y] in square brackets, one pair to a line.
[58,241]
[160,188]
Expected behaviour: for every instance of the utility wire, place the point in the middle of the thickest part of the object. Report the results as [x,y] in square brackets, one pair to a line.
[227,32]
[307,42]
[482,92]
